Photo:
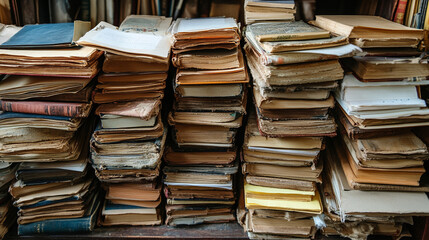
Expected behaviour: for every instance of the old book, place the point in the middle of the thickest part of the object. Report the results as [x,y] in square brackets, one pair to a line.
[127,176]
[82,96]
[252,47]
[218,90]
[73,110]
[254,191]
[150,32]
[230,104]
[276,171]
[370,69]
[402,146]
[85,223]
[285,151]
[401,117]
[380,162]
[114,63]
[62,35]
[73,62]
[370,31]
[30,174]
[172,157]
[224,119]
[204,33]
[196,76]
[300,103]
[111,156]
[25,87]
[204,135]
[289,36]
[207,59]
[151,46]
[294,127]
[314,206]
[219,218]
[293,74]
[114,214]
[112,135]
[132,191]
[282,114]
[106,78]
[145,110]
[371,203]
[132,87]
[278,226]
[354,132]
[199,194]
[355,173]
[99,97]
[354,90]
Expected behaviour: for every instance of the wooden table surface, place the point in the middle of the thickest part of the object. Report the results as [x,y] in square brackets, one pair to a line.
[206,231]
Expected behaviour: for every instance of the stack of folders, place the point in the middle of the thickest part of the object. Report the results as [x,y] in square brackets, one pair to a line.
[268,11]
[294,66]
[210,101]
[375,169]
[128,142]
[45,124]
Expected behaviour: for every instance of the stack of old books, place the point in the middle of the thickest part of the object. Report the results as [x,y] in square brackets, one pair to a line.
[136,59]
[266,10]
[128,142]
[210,101]
[45,125]
[294,67]
[375,175]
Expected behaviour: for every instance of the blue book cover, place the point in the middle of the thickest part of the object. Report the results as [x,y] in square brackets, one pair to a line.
[49,35]
[63,226]
[7,115]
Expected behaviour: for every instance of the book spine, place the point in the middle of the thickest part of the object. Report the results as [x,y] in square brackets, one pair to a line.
[64,226]
[85,10]
[42,108]
[400,11]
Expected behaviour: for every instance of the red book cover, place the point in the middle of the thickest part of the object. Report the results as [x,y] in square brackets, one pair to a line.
[400,11]
[47,108]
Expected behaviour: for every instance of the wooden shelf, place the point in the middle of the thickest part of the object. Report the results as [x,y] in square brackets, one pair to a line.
[206,231]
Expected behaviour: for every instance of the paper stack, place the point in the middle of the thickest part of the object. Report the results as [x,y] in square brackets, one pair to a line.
[136,60]
[265,10]
[45,125]
[294,67]
[210,101]
[128,142]
[375,166]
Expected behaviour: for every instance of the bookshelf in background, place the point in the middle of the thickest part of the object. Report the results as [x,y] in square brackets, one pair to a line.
[22,12]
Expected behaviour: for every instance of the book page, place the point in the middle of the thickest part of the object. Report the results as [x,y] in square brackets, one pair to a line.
[146,44]
[139,24]
[204,24]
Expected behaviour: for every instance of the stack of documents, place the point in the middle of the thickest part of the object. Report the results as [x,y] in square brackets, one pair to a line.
[128,142]
[209,105]
[293,79]
[45,121]
[280,176]
[375,174]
